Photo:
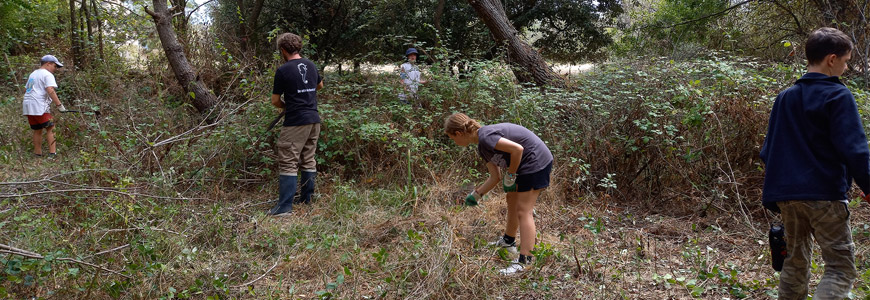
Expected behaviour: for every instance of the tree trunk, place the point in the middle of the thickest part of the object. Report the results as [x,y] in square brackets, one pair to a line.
[201,98]
[84,59]
[527,64]
[89,24]
[74,34]
[439,12]
[243,26]
[251,34]
[99,28]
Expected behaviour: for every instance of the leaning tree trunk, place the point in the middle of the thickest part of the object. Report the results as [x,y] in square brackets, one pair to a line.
[201,98]
[527,64]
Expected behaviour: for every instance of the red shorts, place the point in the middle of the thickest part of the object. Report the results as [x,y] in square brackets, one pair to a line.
[40,122]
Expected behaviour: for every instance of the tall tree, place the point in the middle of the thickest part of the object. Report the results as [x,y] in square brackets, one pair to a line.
[75,42]
[201,97]
[96,8]
[527,64]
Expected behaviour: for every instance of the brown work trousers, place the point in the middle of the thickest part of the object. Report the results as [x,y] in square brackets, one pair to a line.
[296,147]
[828,223]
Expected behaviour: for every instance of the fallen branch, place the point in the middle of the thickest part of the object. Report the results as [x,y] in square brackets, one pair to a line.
[140,228]
[29,254]
[49,178]
[99,189]
[258,278]
[108,251]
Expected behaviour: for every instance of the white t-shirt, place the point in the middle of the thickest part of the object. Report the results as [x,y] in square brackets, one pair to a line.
[410,75]
[36,100]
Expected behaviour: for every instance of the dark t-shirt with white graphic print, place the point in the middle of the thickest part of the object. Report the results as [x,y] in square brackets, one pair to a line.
[536,155]
[297,80]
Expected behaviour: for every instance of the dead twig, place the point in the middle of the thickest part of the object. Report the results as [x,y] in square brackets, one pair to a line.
[29,254]
[258,278]
[49,178]
[98,189]
[108,251]
[141,228]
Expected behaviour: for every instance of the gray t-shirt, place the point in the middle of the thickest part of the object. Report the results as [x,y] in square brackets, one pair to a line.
[536,155]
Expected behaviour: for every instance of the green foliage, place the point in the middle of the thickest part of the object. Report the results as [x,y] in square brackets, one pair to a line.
[380,31]
[566,30]
[677,28]
[30,24]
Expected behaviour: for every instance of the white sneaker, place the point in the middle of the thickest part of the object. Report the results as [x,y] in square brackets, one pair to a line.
[514,268]
[512,247]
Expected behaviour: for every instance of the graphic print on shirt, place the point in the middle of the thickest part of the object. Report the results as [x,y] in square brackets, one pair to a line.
[303,69]
[499,160]
[29,85]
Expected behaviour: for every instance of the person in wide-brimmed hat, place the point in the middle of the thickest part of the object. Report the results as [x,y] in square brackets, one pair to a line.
[410,76]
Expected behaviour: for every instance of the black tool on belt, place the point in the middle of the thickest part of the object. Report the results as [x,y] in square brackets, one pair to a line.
[778,250]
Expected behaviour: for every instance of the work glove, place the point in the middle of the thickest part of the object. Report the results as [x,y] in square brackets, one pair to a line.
[61,108]
[472,198]
[509,181]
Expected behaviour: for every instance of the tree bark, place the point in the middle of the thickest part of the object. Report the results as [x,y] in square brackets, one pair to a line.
[527,64]
[88,22]
[74,34]
[439,12]
[86,12]
[99,28]
[202,99]
[251,35]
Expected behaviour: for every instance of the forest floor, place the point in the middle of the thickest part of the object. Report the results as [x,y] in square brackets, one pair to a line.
[121,214]
[358,242]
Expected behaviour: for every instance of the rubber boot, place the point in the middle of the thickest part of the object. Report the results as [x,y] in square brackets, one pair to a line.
[307,187]
[286,190]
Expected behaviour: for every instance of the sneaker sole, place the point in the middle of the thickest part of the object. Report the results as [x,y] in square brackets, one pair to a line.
[513,269]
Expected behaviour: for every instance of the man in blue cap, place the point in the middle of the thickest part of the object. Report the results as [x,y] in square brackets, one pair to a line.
[410,77]
[37,103]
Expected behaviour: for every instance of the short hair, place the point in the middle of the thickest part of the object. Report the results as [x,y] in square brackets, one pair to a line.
[290,42]
[826,41]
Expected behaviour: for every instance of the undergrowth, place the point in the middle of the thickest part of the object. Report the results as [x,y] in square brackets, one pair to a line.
[655,190]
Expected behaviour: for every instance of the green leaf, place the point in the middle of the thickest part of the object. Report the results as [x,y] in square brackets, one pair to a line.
[192,95]
[786,44]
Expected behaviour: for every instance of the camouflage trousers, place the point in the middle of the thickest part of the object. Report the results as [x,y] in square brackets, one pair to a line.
[828,223]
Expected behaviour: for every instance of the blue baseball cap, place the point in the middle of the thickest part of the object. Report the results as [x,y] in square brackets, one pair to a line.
[50,58]
[410,51]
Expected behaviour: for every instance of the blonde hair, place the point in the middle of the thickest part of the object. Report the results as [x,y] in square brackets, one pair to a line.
[460,122]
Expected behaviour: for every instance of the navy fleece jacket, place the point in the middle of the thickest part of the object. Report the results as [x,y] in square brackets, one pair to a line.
[815,143]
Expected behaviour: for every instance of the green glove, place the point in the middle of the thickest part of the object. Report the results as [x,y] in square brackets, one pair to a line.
[471,199]
[509,181]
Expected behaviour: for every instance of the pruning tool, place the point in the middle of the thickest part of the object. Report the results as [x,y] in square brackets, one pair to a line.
[275,121]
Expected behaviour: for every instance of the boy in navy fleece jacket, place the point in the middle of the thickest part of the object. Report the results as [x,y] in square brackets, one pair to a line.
[815,147]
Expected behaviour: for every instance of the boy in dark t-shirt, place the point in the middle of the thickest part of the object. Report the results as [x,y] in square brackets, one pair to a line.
[298,81]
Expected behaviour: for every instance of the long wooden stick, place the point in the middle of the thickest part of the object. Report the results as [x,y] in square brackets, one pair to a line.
[29,254]
[108,190]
